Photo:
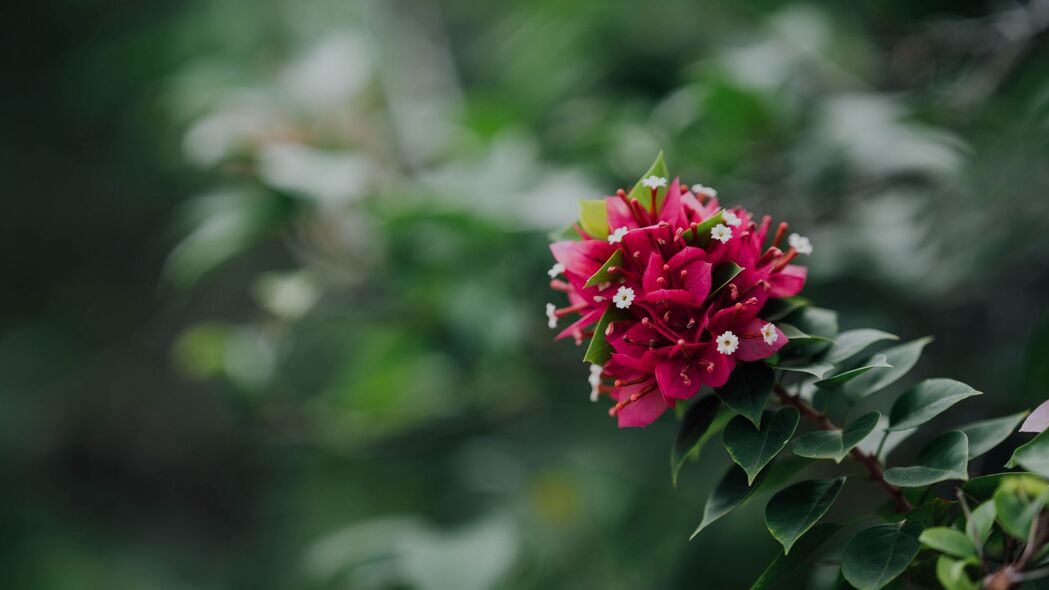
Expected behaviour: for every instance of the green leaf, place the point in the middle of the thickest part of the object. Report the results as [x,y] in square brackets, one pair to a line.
[600,350]
[982,488]
[794,334]
[949,541]
[836,444]
[644,194]
[1016,512]
[1033,455]
[945,458]
[784,566]
[926,400]
[978,526]
[816,321]
[777,309]
[721,276]
[704,419]
[602,275]
[796,508]
[851,342]
[730,492]
[700,235]
[817,370]
[752,448]
[593,218]
[877,361]
[987,434]
[876,555]
[747,390]
[902,357]
[951,574]
[566,233]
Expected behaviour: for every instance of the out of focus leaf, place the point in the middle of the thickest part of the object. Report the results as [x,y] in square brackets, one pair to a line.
[987,434]
[593,218]
[877,361]
[784,566]
[902,357]
[949,541]
[704,419]
[730,492]
[927,400]
[851,342]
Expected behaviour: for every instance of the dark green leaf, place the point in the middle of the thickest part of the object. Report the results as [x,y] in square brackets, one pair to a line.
[987,434]
[926,400]
[747,390]
[949,541]
[877,361]
[902,357]
[730,492]
[816,321]
[602,275]
[704,419]
[753,448]
[836,444]
[879,554]
[721,276]
[600,350]
[796,508]
[643,193]
[982,488]
[1033,455]
[795,335]
[945,458]
[593,218]
[851,342]
[777,309]
[784,566]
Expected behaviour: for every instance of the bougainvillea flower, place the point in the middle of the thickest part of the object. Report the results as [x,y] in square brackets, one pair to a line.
[677,285]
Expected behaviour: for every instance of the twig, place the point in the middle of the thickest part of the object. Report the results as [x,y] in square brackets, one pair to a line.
[870,462]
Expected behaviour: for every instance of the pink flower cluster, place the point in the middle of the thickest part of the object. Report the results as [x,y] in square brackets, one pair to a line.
[652,288]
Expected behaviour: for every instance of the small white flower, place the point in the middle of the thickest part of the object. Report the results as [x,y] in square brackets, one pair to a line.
[617,236]
[556,270]
[731,219]
[727,343]
[551,317]
[699,188]
[623,297]
[800,243]
[769,334]
[598,299]
[721,233]
[595,381]
[654,182]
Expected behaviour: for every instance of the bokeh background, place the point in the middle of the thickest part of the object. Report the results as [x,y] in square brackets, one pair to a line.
[275,270]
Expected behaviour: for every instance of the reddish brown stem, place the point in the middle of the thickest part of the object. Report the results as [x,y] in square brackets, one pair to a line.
[869,461]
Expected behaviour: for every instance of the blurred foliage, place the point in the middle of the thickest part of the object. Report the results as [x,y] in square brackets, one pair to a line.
[277,270]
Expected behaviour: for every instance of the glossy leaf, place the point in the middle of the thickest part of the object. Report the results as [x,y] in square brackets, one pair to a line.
[877,555]
[796,508]
[817,369]
[836,444]
[752,448]
[593,218]
[877,361]
[951,574]
[602,275]
[704,419]
[1033,455]
[784,566]
[987,434]
[643,193]
[721,276]
[599,350]
[926,400]
[730,492]
[902,357]
[949,541]
[747,390]
[795,335]
[945,458]
[852,342]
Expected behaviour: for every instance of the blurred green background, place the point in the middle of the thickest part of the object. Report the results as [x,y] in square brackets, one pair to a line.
[275,270]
